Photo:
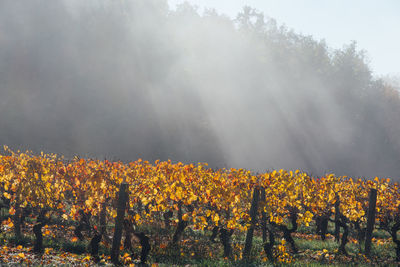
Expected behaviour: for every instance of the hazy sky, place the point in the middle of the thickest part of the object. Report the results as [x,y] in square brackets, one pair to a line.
[375,25]
[123,80]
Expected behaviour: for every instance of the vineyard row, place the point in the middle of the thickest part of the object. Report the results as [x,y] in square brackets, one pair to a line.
[93,194]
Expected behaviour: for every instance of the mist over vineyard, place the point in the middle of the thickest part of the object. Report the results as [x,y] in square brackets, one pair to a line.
[135,79]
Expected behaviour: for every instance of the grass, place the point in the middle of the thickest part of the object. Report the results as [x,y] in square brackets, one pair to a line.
[196,249]
[316,245]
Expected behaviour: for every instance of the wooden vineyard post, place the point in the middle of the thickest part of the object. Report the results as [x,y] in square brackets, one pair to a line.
[94,247]
[370,220]
[263,215]
[37,230]
[253,216]
[119,220]
[102,219]
[337,218]
[267,245]
[17,222]
[181,225]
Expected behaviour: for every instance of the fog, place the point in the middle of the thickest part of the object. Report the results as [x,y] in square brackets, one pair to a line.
[134,79]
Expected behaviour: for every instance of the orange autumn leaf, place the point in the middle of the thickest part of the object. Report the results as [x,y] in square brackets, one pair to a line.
[11,211]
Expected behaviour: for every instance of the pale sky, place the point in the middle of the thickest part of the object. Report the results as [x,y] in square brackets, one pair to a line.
[373,24]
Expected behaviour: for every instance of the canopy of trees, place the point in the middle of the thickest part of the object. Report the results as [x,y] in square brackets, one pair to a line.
[129,79]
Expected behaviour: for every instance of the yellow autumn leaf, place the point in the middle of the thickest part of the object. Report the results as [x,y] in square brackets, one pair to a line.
[87,258]
[179,193]
[216,218]
[21,255]
[137,217]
